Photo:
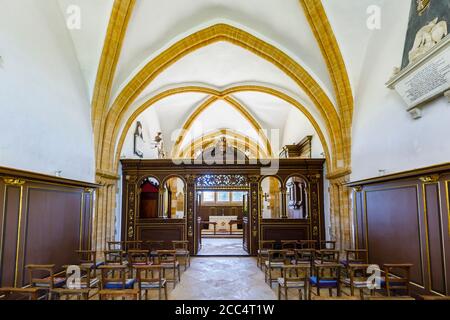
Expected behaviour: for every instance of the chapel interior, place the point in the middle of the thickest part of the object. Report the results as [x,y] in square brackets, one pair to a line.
[225,150]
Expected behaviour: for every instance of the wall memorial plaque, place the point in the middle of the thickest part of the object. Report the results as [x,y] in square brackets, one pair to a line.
[425,72]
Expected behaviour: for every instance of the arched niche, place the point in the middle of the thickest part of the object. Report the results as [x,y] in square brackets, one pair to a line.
[149,198]
[271,204]
[296,198]
[174,198]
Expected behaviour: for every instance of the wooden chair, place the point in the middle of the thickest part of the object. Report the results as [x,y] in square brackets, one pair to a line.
[263,251]
[138,258]
[167,259]
[182,249]
[328,245]
[44,277]
[114,257]
[307,244]
[115,245]
[147,281]
[326,276]
[7,293]
[88,280]
[358,278]
[327,256]
[299,281]
[304,257]
[290,246]
[276,260]
[114,277]
[153,246]
[130,294]
[133,245]
[355,256]
[88,258]
[396,277]
[70,294]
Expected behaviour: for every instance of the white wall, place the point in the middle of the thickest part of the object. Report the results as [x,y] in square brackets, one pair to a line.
[150,127]
[298,127]
[44,106]
[385,137]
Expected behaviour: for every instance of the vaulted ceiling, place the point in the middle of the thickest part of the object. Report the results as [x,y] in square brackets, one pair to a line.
[256,63]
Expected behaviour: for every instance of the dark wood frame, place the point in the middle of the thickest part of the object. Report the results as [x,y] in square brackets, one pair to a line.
[311,170]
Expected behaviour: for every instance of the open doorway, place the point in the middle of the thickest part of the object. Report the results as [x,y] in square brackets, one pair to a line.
[223,219]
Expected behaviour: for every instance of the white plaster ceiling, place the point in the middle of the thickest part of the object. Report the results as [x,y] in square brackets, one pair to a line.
[157,24]
[88,40]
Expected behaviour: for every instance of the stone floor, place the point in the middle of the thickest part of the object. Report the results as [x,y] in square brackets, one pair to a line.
[222,247]
[222,279]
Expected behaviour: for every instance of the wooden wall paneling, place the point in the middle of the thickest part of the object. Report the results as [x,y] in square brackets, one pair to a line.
[393,227]
[434,237]
[43,219]
[52,227]
[9,241]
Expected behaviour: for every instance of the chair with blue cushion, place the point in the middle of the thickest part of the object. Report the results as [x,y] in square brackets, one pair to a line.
[80,287]
[359,278]
[276,260]
[294,277]
[114,277]
[44,277]
[396,278]
[326,276]
[148,281]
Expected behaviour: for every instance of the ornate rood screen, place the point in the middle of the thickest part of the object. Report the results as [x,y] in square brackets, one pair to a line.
[221,181]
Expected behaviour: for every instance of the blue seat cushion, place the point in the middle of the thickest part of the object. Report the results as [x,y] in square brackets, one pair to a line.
[129,283]
[323,283]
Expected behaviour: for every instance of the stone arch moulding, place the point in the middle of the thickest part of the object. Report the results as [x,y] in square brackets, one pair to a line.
[230,102]
[197,89]
[209,139]
[209,35]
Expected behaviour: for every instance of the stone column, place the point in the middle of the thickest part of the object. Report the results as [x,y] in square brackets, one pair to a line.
[341,217]
[104,216]
[254,215]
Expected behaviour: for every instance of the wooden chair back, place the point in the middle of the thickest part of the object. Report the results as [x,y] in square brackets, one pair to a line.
[355,256]
[114,257]
[307,244]
[115,245]
[327,256]
[133,245]
[116,274]
[397,277]
[328,245]
[87,257]
[267,244]
[166,257]
[40,275]
[129,294]
[180,245]
[138,257]
[275,257]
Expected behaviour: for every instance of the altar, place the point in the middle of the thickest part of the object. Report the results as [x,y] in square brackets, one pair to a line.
[223,223]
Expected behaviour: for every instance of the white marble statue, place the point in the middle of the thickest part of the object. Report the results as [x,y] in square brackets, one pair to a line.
[427,37]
